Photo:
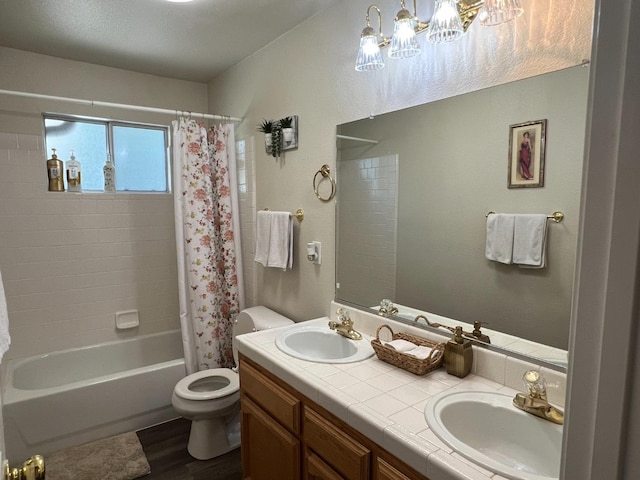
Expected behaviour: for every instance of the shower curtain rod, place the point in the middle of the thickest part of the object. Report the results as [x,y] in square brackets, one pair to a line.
[96,103]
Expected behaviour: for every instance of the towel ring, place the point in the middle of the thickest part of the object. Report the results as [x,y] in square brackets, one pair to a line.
[325,171]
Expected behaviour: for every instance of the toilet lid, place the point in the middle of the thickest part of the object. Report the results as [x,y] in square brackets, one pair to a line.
[208,384]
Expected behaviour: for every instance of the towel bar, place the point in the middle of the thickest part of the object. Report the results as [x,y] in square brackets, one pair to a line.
[299,214]
[557,217]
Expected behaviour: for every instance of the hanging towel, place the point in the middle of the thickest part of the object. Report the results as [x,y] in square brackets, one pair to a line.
[281,241]
[263,235]
[529,240]
[5,339]
[274,239]
[500,229]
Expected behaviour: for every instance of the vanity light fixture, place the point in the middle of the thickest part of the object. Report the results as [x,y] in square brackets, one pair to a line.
[369,57]
[403,42]
[496,12]
[445,24]
[450,19]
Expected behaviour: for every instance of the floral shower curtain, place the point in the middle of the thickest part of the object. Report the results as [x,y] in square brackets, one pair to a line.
[207,241]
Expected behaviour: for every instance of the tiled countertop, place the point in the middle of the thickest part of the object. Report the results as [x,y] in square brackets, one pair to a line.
[386,403]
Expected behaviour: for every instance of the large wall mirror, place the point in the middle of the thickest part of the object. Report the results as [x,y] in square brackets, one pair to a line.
[414,189]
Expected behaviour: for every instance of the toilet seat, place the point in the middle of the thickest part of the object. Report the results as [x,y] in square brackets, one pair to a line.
[208,384]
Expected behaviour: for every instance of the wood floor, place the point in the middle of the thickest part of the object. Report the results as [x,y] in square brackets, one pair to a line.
[165,446]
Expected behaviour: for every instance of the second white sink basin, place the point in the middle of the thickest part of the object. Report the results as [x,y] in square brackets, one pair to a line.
[316,343]
[486,428]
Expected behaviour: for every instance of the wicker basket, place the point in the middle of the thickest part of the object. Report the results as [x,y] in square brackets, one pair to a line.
[408,362]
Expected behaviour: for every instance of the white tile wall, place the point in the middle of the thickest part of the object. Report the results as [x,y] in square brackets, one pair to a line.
[247,197]
[70,261]
[368,258]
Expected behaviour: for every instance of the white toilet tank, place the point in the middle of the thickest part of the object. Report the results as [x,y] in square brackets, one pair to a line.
[254,319]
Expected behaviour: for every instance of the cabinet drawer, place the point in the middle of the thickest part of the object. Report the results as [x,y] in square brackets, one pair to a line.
[387,472]
[275,400]
[316,469]
[343,453]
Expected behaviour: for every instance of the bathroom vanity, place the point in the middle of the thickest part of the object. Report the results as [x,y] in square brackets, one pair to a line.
[361,420]
[286,435]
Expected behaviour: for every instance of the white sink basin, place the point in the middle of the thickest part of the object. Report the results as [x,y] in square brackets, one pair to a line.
[323,345]
[486,428]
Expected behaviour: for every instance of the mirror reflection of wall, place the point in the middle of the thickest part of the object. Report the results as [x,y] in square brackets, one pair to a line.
[452,169]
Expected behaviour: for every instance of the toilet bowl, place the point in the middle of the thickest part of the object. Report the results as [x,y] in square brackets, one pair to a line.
[211,398]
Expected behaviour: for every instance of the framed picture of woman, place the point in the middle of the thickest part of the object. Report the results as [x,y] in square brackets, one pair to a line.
[526,154]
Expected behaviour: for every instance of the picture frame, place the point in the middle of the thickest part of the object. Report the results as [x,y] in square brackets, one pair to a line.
[290,134]
[527,154]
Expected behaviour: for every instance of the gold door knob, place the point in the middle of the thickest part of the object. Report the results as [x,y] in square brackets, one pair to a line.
[32,469]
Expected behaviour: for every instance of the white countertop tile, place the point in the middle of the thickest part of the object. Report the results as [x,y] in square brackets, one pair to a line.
[385,404]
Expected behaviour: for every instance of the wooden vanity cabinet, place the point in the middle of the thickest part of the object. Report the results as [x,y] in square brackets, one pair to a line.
[286,436]
[384,471]
[316,469]
[269,451]
[270,432]
[338,449]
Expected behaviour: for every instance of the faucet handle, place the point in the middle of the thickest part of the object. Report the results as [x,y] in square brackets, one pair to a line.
[343,314]
[535,384]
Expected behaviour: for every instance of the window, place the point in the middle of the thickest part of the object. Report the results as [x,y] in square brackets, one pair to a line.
[139,152]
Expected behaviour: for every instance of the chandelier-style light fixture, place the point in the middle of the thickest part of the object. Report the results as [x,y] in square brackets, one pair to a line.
[450,19]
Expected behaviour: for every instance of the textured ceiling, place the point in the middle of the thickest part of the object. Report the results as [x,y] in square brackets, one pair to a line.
[191,41]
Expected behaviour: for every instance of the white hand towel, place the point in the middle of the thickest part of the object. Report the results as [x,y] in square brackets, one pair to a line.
[401,345]
[263,236]
[420,352]
[529,240]
[280,241]
[500,229]
[5,339]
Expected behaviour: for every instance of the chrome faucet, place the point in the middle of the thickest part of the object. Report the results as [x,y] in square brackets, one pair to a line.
[536,402]
[344,325]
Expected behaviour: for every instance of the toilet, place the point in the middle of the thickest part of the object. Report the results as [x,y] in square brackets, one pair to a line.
[211,398]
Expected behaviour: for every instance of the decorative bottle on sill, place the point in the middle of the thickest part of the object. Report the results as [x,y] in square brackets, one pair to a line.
[109,170]
[54,172]
[74,174]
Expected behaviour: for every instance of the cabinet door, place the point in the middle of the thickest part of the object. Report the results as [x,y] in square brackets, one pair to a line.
[273,399]
[269,451]
[387,472]
[316,469]
[343,453]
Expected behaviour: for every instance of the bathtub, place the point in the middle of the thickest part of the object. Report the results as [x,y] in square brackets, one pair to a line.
[74,396]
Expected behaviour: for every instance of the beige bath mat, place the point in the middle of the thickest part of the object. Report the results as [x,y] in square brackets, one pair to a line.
[114,458]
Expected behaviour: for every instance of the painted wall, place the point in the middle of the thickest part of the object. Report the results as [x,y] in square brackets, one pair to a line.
[70,261]
[310,72]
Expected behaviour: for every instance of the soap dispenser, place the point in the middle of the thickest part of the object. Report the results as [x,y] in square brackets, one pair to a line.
[74,174]
[54,172]
[458,354]
[109,170]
